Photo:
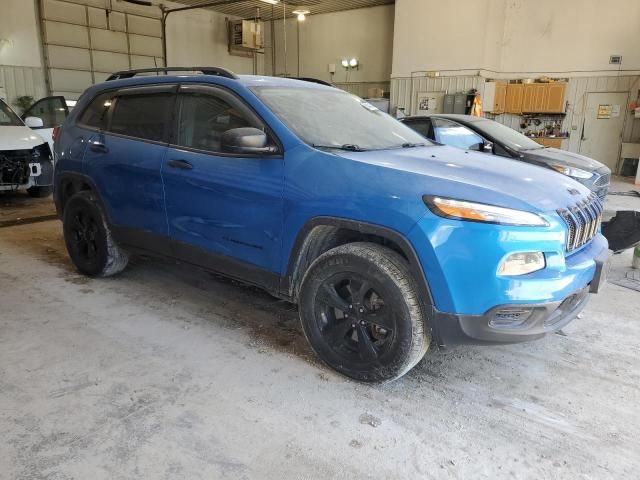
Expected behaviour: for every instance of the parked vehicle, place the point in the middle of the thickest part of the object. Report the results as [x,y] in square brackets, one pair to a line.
[25,158]
[386,241]
[487,136]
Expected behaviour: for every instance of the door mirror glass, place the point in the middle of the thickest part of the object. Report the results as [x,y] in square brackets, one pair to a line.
[34,122]
[248,140]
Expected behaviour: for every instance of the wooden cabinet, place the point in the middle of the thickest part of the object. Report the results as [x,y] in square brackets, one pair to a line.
[513,103]
[548,142]
[554,101]
[543,98]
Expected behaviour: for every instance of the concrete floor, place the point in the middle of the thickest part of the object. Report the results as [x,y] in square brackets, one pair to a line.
[165,372]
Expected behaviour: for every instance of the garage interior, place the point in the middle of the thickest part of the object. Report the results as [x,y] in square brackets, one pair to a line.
[167,371]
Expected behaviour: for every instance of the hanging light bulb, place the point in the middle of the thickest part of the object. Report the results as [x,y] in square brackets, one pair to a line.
[302,14]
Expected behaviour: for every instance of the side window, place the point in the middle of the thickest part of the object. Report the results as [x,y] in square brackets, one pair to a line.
[204,117]
[423,127]
[95,115]
[142,115]
[456,135]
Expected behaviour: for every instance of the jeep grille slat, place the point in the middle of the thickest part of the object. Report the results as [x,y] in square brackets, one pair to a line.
[583,221]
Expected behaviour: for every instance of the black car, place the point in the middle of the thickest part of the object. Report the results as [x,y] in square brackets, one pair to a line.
[484,135]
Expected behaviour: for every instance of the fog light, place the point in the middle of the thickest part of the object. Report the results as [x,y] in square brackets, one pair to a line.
[522,263]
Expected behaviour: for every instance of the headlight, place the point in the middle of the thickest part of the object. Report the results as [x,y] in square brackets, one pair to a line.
[522,263]
[480,212]
[572,171]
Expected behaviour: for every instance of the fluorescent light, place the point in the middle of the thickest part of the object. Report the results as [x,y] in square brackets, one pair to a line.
[271,2]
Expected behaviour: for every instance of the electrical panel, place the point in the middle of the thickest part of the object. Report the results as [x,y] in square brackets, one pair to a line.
[245,35]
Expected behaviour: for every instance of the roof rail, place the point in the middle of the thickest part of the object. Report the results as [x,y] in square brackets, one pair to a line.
[217,71]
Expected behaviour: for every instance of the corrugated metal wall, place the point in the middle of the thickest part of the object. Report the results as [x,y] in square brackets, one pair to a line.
[404,93]
[19,81]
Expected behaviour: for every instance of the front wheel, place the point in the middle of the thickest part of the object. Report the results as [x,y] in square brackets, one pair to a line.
[361,313]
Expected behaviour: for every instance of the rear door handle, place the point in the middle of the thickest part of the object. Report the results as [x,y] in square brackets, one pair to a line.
[99,147]
[181,164]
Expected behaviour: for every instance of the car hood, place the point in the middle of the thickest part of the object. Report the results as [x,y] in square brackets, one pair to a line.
[450,172]
[569,159]
[19,138]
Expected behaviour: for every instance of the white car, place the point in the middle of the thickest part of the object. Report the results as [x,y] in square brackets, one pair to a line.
[26,160]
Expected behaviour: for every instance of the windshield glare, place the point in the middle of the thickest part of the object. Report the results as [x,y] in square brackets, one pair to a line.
[506,135]
[330,117]
[7,117]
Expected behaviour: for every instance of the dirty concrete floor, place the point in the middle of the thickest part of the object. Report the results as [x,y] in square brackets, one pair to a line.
[164,372]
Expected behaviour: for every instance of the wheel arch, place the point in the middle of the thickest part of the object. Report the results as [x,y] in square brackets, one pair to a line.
[321,234]
[71,183]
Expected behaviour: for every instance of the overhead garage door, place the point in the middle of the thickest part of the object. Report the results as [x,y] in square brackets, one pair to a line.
[86,40]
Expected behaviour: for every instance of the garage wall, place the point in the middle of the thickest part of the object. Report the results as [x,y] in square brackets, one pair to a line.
[516,37]
[366,34]
[199,38]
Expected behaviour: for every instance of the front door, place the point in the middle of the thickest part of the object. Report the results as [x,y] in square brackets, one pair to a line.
[602,130]
[225,204]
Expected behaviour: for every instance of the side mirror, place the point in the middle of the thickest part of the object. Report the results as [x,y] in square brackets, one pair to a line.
[487,147]
[246,140]
[34,122]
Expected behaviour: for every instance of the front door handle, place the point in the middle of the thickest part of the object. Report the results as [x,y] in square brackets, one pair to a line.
[181,164]
[98,146]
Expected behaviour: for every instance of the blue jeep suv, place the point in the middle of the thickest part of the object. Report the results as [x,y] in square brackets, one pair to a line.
[387,243]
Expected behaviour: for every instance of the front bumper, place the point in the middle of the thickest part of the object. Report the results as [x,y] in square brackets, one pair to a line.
[509,323]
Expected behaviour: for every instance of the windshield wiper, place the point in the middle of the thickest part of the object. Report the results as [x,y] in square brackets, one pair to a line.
[413,145]
[350,147]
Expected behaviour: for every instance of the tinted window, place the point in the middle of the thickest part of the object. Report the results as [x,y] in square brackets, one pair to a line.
[96,113]
[456,135]
[142,115]
[205,117]
[422,126]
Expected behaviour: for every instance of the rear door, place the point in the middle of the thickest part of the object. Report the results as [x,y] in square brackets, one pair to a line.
[124,160]
[227,204]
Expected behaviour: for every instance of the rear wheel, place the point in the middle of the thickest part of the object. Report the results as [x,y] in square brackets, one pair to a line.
[39,192]
[361,314]
[89,242]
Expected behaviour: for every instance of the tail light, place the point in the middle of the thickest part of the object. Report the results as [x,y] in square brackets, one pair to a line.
[54,134]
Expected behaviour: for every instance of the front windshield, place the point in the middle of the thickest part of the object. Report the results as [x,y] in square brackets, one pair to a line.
[7,117]
[506,135]
[332,118]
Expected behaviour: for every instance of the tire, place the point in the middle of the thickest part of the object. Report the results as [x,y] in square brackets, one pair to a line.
[89,241]
[361,313]
[39,192]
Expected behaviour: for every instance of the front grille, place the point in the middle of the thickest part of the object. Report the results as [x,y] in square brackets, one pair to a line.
[583,221]
[603,181]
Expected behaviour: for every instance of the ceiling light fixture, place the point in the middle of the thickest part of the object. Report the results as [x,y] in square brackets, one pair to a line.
[271,2]
[302,14]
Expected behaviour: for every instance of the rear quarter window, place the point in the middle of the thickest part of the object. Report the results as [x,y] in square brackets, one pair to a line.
[95,115]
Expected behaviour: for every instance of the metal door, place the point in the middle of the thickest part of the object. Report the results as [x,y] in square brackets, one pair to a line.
[602,129]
